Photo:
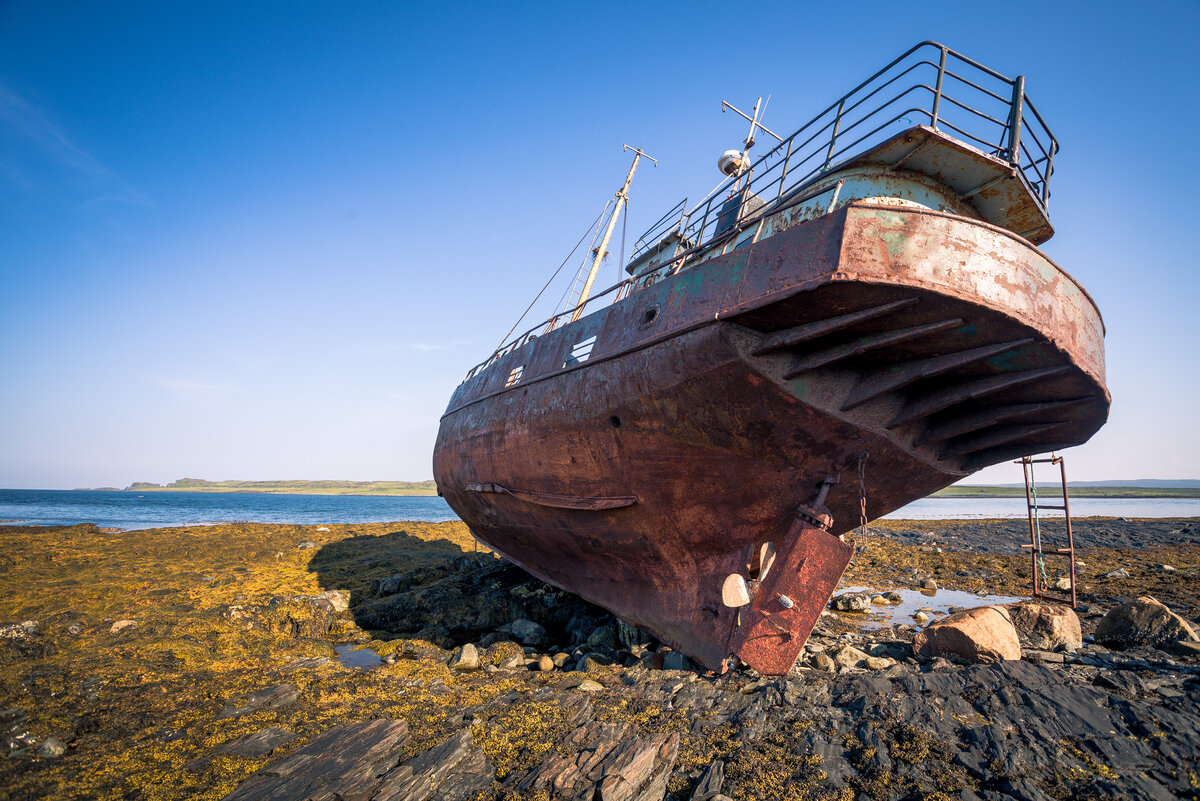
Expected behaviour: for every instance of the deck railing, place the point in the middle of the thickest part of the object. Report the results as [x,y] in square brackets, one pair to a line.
[929,84]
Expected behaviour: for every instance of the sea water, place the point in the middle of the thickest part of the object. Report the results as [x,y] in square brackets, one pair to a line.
[138,510]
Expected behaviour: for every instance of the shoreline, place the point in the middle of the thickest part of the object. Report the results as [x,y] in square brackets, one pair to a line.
[190,660]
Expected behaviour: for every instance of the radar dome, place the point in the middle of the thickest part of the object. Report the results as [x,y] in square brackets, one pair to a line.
[732,162]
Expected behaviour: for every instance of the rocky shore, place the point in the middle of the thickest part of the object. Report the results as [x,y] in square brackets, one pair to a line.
[400,662]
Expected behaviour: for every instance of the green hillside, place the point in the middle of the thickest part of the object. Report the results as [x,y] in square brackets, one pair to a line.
[292,487]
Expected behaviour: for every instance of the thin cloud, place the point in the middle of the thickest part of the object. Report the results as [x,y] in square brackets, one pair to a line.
[19,116]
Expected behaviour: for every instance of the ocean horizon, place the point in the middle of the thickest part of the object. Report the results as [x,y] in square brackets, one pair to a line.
[132,510]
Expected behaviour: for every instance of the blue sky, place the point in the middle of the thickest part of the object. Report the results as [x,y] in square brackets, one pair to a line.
[266,240]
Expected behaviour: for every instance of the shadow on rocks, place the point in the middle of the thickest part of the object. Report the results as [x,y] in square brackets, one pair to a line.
[402,585]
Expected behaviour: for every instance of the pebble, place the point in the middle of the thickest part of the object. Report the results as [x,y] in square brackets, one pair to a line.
[307,545]
[589,686]
[545,664]
[879,600]
[878,662]
[929,584]
[121,625]
[1119,573]
[921,618]
[51,748]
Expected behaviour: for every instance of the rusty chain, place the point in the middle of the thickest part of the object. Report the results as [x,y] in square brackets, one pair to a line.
[863,530]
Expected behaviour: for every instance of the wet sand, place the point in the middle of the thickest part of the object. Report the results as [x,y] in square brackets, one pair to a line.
[232,662]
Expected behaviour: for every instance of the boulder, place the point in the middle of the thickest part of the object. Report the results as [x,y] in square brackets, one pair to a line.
[465,658]
[852,602]
[1046,626]
[338,599]
[1062,584]
[821,661]
[528,632]
[929,584]
[1119,573]
[984,634]
[391,585]
[848,656]
[673,660]
[1144,621]
[121,625]
[878,662]
[589,686]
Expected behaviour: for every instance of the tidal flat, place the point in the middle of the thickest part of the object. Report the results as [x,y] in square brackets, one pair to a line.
[193,662]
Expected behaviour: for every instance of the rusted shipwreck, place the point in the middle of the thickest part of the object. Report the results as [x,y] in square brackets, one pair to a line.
[866,299]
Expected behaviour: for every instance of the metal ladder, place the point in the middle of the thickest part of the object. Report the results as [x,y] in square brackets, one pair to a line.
[1036,547]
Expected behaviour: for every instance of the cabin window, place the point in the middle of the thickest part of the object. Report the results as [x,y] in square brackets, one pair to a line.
[581,351]
[515,376]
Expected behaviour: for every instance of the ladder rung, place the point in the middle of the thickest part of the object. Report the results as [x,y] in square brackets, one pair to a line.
[1047,506]
[1051,552]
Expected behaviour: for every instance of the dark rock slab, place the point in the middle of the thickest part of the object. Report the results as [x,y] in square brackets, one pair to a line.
[343,764]
[279,695]
[257,745]
[611,765]
[455,770]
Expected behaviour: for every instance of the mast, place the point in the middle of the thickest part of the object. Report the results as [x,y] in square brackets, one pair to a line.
[600,252]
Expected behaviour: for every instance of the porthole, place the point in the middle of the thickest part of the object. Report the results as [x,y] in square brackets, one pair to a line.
[615,421]
[649,316]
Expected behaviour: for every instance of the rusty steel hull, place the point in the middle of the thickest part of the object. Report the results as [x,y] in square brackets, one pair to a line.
[715,401]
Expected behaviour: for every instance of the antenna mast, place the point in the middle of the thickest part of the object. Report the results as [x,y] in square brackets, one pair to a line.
[739,164]
[602,251]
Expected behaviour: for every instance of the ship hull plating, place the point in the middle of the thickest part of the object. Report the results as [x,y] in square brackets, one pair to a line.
[714,402]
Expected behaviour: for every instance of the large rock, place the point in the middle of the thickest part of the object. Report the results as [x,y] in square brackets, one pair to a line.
[528,632]
[1144,621]
[852,602]
[456,769]
[466,658]
[612,764]
[985,634]
[1047,627]
[344,762]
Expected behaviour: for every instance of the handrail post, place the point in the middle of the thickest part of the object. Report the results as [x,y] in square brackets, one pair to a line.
[937,95]
[1014,124]
[786,161]
[837,124]
[1049,172]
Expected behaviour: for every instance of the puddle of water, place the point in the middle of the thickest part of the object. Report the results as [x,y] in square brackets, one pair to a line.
[354,657]
[940,601]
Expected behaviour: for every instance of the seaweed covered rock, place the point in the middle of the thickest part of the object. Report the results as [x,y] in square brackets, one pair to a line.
[1143,621]
[358,761]
[611,763]
[984,634]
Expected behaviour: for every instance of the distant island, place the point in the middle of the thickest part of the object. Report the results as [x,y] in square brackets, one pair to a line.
[291,487]
[1085,490]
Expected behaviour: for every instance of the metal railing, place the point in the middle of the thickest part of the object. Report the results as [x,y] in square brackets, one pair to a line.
[928,84]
